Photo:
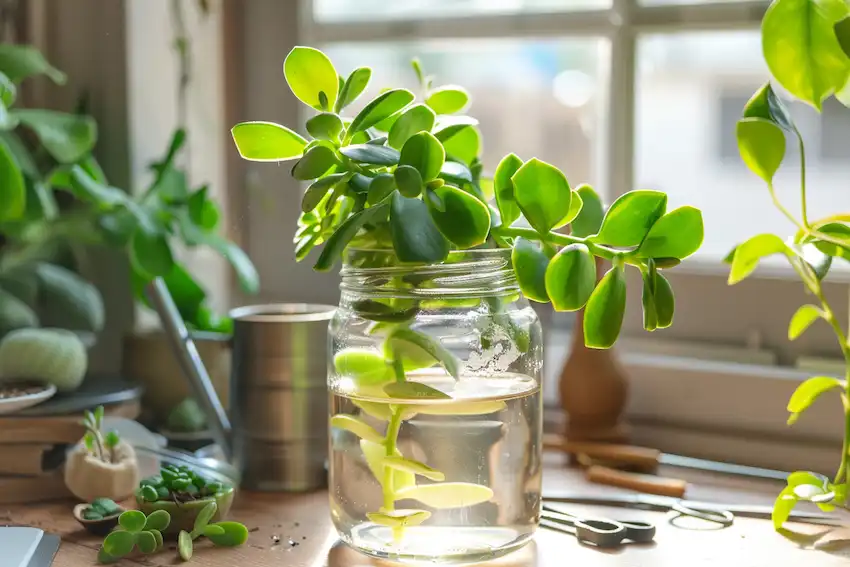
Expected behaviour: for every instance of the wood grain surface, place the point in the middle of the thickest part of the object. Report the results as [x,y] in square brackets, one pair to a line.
[296,531]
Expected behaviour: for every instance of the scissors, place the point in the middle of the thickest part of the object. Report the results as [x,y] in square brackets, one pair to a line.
[600,532]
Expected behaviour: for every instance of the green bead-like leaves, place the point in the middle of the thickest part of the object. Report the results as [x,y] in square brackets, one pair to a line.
[802,50]
[571,278]
[462,218]
[382,107]
[603,315]
[678,234]
[267,141]
[415,236]
[630,218]
[530,264]
[312,77]
[542,193]
[425,153]
[417,118]
[503,188]
[761,144]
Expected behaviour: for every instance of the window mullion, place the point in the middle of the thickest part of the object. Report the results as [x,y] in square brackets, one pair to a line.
[618,153]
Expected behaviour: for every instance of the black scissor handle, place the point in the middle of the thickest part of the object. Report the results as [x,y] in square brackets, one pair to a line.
[639,532]
[722,517]
[601,533]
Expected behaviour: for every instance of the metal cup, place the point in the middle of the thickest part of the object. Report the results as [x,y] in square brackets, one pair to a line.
[278,390]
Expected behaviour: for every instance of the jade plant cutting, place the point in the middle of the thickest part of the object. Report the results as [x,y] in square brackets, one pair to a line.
[811,72]
[404,174]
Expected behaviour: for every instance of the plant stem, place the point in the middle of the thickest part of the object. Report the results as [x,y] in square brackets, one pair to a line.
[557,238]
[390,444]
[803,206]
[782,208]
[98,445]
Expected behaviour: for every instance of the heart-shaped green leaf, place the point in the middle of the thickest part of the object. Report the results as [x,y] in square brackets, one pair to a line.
[414,391]
[630,218]
[356,426]
[325,126]
[315,163]
[119,543]
[408,180]
[310,74]
[530,265]
[603,316]
[448,99]
[463,219]
[807,392]
[12,188]
[339,240]
[761,144]
[748,254]
[132,521]
[589,219]
[266,141]
[503,188]
[664,302]
[381,107]
[426,343]
[315,192]
[371,154]
[571,278]
[425,153]
[801,49]
[417,118]
[380,188]
[802,320]
[678,234]
[765,104]
[415,236]
[542,193]
[463,145]
[353,87]
[158,520]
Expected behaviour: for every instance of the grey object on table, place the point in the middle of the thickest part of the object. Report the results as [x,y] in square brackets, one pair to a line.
[27,547]
[278,390]
[96,390]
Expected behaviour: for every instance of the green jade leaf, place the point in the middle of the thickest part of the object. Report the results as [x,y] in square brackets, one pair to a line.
[417,118]
[678,234]
[630,218]
[415,467]
[571,278]
[401,339]
[362,366]
[425,153]
[542,193]
[325,126]
[382,107]
[447,495]
[461,218]
[530,264]
[603,315]
[266,141]
[356,426]
[310,74]
[415,236]
[448,99]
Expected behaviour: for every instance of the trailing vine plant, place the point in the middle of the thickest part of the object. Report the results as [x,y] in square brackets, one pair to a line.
[810,71]
[404,174]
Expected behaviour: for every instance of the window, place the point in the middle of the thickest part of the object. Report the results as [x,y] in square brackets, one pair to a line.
[622,94]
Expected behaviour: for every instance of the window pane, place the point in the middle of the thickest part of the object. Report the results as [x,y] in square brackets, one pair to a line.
[686,2]
[360,10]
[536,99]
[691,90]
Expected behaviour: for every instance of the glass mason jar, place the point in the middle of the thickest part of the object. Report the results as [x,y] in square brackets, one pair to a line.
[436,412]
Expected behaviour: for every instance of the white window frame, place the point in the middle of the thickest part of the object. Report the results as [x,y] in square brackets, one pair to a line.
[680,401]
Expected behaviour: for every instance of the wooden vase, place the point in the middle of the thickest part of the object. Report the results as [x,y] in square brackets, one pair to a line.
[593,390]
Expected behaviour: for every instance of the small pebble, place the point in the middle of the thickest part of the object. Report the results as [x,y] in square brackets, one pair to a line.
[297,524]
[292,543]
[303,537]
[275,539]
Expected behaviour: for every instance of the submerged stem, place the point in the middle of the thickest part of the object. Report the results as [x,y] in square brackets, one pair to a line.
[390,442]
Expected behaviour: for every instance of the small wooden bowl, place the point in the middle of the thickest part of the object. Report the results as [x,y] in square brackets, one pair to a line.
[97,527]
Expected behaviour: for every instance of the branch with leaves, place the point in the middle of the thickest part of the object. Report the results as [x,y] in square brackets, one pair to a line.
[405,174]
[811,72]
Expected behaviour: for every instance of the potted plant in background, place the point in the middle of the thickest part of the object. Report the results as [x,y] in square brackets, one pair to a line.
[810,71]
[433,322]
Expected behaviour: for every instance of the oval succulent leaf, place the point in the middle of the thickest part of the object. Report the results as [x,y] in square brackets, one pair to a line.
[464,145]
[401,339]
[146,542]
[807,392]
[445,495]
[603,316]
[415,467]
[132,520]
[158,520]
[448,99]
[318,189]
[415,236]
[267,141]
[119,543]
[530,265]
[802,320]
[383,106]
[399,518]
[678,234]
[408,180]
[339,240]
[664,302]
[315,163]
[414,391]
[417,118]
[456,172]
[380,188]
[362,366]
[325,126]
[353,87]
[184,545]
[462,218]
[589,219]
[761,144]
[630,218]
[310,74]
[576,205]
[447,126]
[204,517]
[356,426]
[425,153]
[571,278]
[371,154]
[748,254]
[542,193]
[503,188]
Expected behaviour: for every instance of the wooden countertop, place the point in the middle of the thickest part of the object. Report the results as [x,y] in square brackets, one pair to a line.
[295,530]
